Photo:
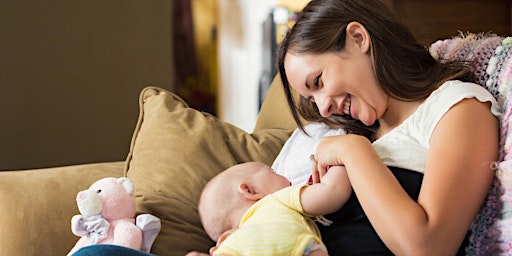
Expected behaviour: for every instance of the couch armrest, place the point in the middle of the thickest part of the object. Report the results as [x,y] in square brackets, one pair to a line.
[36,206]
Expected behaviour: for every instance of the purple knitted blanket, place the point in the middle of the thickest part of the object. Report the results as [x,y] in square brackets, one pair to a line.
[490,57]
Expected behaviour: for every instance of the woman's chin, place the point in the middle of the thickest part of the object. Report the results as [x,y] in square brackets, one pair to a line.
[368,121]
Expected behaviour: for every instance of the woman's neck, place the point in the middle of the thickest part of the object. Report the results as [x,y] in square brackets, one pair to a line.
[398,111]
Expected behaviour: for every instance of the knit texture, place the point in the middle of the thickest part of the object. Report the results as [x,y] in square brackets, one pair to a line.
[490,58]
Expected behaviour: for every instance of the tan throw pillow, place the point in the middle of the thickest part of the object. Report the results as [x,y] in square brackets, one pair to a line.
[175,150]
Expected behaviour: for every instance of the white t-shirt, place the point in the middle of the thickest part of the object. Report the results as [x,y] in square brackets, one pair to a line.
[293,160]
[407,145]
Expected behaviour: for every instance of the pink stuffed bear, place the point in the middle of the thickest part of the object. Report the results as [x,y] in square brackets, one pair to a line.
[108,217]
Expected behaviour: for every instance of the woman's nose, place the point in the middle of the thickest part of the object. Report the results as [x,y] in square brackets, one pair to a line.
[324,106]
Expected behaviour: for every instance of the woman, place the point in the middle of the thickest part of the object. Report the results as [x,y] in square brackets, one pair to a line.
[422,136]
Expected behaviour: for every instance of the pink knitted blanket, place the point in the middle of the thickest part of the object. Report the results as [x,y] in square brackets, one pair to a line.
[490,57]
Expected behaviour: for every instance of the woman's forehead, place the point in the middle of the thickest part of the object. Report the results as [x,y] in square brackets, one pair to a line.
[299,67]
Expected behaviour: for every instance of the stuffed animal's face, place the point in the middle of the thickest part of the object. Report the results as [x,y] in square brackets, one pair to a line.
[89,202]
[112,198]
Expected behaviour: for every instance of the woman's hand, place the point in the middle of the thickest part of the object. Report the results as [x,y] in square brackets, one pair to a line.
[339,150]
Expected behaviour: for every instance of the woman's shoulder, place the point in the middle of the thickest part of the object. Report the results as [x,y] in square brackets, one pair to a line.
[454,91]
[457,86]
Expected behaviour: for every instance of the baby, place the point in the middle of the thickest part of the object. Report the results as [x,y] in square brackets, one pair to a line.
[250,209]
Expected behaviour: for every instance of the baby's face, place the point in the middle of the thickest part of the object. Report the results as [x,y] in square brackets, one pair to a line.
[267,180]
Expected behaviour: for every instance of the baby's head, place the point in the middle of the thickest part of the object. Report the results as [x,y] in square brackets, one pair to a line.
[236,188]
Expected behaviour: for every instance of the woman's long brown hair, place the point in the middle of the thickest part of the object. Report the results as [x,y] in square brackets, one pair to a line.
[404,68]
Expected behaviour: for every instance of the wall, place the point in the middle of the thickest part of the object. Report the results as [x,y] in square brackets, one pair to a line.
[295,5]
[240,60]
[206,16]
[240,57]
[71,72]
[440,19]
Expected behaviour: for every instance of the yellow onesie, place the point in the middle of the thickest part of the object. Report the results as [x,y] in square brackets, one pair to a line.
[275,225]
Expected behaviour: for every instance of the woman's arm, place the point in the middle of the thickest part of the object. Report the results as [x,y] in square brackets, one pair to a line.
[457,178]
[329,195]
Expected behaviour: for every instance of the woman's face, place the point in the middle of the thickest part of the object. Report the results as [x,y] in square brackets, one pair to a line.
[341,83]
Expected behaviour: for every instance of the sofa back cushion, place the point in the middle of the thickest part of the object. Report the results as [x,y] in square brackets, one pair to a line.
[176,150]
[274,112]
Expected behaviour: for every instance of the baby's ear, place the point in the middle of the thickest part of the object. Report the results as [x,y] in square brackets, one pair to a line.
[249,192]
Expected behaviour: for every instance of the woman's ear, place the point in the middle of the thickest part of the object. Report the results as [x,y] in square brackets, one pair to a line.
[249,192]
[359,36]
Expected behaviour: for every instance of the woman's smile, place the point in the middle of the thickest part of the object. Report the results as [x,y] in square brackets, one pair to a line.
[345,106]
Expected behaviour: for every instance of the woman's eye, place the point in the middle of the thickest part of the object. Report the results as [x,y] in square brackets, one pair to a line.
[316,82]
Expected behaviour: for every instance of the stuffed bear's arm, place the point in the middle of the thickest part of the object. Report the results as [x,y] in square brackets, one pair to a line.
[150,226]
[76,228]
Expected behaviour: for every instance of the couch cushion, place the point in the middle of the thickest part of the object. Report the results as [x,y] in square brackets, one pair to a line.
[175,150]
[274,112]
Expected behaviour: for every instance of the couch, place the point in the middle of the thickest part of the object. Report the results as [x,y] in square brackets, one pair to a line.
[175,150]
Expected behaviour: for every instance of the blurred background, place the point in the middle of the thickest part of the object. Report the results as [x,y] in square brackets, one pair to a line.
[71,70]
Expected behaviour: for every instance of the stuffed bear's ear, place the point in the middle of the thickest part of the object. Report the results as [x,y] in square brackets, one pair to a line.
[127,184]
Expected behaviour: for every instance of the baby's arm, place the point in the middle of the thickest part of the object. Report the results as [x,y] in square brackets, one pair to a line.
[329,195]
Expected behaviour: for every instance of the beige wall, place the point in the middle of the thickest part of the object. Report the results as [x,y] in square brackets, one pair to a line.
[240,59]
[70,75]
